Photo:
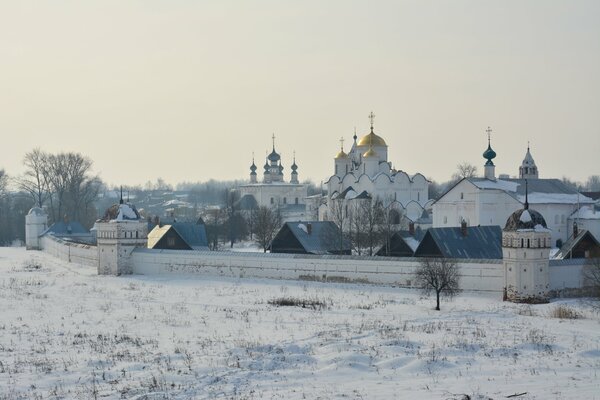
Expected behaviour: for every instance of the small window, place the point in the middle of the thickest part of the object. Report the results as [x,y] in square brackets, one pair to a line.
[462,196]
[285,200]
[445,220]
[272,200]
[171,242]
[296,200]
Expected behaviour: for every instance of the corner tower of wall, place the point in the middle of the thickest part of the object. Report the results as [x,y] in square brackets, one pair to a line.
[36,222]
[525,253]
[119,232]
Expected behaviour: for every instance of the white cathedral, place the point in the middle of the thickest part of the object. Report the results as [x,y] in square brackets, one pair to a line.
[365,172]
[288,198]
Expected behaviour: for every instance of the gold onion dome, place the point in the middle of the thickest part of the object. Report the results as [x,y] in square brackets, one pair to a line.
[341,154]
[370,153]
[371,139]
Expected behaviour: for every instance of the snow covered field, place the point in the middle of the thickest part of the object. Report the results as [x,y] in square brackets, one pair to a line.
[66,333]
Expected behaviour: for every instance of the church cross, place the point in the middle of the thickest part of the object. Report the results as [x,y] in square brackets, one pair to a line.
[273,141]
[371,117]
[342,143]
[489,133]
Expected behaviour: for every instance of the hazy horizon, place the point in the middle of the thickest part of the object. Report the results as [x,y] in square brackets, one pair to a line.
[187,91]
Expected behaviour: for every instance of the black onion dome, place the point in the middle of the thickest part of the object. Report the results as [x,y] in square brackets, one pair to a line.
[524,219]
[274,156]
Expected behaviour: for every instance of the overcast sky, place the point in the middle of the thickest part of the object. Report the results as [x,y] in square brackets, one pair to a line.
[187,90]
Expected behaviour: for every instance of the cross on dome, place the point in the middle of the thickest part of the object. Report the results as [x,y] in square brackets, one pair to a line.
[489,133]
[372,118]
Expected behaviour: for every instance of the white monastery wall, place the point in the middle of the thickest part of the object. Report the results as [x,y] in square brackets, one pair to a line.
[477,275]
[71,252]
[566,274]
[483,275]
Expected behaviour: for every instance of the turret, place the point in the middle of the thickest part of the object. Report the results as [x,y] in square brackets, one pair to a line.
[489,155]
[253,171]
[528,169]
[36,222]
[294,174]
[342,161]
[120,231]
[525,256]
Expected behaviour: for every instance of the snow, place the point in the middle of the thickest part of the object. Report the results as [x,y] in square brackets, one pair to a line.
[303,227]
[126,213]
[66,332]
[554,198]
[497,184]
[586,212]
[525,216]
[412,243]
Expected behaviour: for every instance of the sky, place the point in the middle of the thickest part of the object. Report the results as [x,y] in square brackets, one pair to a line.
[189,90]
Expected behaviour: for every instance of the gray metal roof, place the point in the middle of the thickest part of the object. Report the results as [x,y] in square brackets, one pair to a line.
[482,242]
[63,228]
[193,234]
[323,238]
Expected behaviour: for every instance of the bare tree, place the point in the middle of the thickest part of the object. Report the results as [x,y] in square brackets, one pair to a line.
[371,213]
[35,180]
[266,224]
[591,274]
[593,183]
[464,170]
[339,215]
[439,275]
[355,226]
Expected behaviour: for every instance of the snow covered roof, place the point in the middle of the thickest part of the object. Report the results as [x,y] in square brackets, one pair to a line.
[586,212]
[36,211]
[540,191]
[526,219]
[121,213]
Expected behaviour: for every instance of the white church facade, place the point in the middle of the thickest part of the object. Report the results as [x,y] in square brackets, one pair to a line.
[366,172]
[490,200]
[287,198]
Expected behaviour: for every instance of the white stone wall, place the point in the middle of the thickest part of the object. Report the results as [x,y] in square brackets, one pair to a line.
[566,274]
[70,252]
[484,275]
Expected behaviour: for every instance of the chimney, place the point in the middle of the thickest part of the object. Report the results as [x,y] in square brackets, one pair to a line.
[463,227]
[575,229]
[156,220]
[411,228]
[309,228]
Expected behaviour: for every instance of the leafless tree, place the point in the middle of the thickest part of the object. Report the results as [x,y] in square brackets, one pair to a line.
[591,274]
[266,224]
[339,215]
[3,182]
[593,183]
[440,275]
[465,170]
[392,220]
[372,217]
[354,230]
[35,180]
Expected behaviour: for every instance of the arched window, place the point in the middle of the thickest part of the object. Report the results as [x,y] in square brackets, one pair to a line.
[394,216]
[522,242]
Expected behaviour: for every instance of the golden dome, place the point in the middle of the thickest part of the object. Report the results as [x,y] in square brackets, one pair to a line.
[341,154]
[371,139]
[370,153]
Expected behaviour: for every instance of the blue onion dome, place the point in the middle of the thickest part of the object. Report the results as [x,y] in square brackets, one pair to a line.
[489,154]
[266,166]
[294,166]
[274,156]
[253,167]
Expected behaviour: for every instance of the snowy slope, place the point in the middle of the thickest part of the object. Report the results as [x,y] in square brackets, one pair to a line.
[67,333]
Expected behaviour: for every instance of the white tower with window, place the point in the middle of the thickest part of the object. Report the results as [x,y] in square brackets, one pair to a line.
[119,232]
[525,252]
